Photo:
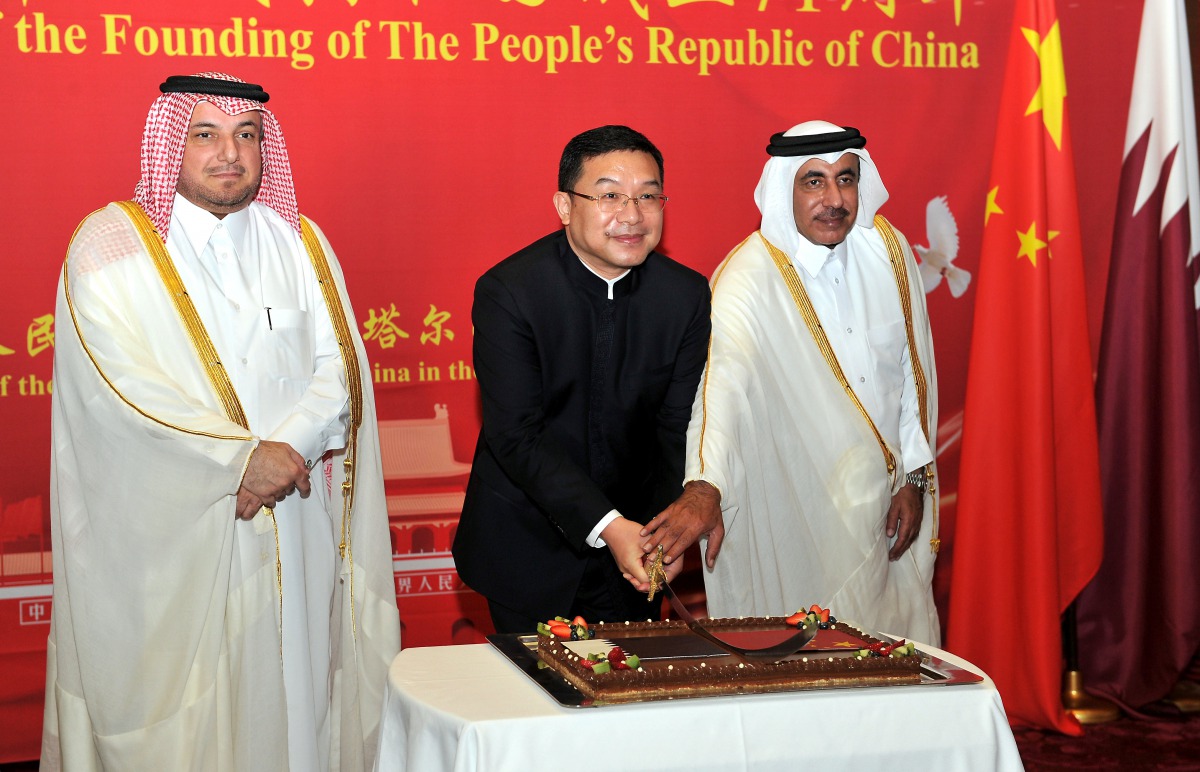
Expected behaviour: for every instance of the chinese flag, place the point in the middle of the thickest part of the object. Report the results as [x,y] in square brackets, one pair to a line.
[1029,525]
[1139,619]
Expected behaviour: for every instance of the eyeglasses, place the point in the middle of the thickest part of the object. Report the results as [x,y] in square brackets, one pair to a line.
[611,203]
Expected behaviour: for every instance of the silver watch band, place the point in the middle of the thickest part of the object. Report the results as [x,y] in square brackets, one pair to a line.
[917,478]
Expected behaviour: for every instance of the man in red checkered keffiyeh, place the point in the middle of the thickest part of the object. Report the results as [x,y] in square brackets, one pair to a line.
[213,607]
[165,138]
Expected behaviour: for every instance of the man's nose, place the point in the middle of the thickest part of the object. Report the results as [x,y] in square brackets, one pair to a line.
[227,150]
[631,212]
[832,197]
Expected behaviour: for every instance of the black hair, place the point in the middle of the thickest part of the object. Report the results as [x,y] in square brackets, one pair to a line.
[597,142]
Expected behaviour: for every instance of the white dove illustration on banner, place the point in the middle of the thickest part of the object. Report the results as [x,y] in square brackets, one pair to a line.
[937,259]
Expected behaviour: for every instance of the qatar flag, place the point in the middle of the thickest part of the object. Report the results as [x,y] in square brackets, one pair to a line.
[1139,619]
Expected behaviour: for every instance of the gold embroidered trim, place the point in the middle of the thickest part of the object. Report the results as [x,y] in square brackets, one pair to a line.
[192,324]
[337,314]
[205,350]
[899,268]
[896,254]
[708,359]
[809,314]
[66,279]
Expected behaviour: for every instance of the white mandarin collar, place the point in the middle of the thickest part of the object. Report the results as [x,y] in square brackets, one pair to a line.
[199,224]
[610,282]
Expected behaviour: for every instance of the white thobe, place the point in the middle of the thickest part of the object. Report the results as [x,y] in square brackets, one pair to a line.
[804,483]
[249,277]
[165,645]
[855,299]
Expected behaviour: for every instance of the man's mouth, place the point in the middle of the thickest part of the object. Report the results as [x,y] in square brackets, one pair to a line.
[627,238]
[832,216]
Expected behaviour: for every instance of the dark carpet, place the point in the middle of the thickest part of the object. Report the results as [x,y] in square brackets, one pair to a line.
[1166,744]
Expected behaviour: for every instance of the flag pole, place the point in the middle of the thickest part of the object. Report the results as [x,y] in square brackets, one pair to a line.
[1086,708]
[1186,693]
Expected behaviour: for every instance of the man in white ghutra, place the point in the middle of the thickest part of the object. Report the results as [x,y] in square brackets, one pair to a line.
[816,414]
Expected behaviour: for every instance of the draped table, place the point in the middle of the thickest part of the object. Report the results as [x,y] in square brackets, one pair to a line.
[470,707]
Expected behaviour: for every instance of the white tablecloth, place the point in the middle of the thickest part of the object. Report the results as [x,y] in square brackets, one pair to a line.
[469,708]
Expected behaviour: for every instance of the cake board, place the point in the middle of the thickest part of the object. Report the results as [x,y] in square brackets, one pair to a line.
[521,651]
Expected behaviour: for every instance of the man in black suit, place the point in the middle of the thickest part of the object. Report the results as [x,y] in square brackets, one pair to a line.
[588,349]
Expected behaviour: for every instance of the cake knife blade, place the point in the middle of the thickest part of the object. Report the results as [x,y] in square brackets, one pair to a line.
[780,650]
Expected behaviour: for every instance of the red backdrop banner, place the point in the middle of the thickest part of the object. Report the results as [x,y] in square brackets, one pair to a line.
[425,136]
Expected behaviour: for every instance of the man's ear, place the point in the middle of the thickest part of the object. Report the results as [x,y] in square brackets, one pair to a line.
[562,204]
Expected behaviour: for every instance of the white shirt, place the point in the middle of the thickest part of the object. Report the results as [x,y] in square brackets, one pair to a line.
[252,283]
[855,298]
[249,277]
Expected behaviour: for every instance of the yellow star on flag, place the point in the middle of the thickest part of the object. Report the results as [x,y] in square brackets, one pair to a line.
[1052,91]
[846,645]
[992,207]
[1030,243]
[1051,237]
[5,351]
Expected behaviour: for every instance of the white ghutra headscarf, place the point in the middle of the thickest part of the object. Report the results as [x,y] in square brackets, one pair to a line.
[828,142]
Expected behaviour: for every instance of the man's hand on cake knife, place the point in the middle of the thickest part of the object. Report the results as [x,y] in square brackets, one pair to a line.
[666,572]
[621,536]
[696,513]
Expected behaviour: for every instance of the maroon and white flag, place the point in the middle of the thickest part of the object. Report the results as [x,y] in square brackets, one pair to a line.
[1139,619]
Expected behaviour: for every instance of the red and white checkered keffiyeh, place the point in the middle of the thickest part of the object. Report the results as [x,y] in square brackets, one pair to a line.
[164,140]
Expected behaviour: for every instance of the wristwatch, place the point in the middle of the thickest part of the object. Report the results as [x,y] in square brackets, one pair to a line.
[918,479]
